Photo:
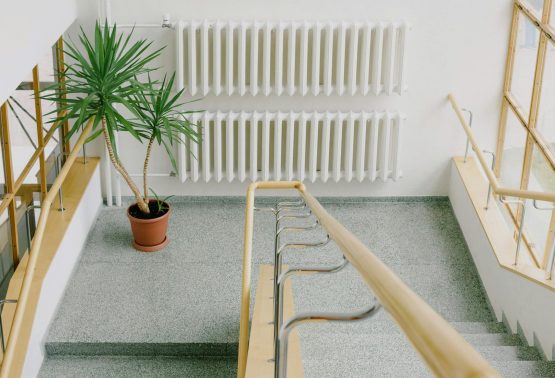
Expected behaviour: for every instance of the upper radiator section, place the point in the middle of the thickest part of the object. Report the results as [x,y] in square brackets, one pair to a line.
[290,58]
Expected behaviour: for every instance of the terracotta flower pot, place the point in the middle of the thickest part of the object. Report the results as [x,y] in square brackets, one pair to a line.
[149,234]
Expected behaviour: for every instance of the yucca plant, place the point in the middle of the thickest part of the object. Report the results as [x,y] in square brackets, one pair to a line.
[160,120]
[102,82]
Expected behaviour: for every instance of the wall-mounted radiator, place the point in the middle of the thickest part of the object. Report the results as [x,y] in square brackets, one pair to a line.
[276,58]
[293,146]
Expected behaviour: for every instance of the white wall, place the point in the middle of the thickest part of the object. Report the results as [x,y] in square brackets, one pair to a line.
[454,46]
[28,29]
[522,303]
[60,271]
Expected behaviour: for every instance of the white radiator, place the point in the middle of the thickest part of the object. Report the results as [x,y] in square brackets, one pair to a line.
[293,146]
[227,57]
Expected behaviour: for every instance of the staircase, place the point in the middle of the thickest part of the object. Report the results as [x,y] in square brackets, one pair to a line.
[176,313]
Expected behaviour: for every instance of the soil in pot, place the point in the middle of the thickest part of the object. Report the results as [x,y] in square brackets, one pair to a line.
[135,212]
[149,230]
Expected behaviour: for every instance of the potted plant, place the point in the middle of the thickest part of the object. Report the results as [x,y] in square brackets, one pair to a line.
[103,83]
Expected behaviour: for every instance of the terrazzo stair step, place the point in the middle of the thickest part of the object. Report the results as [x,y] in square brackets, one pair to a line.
[346,292]
[402,369]
[391,350]
[128,367]
[488,339]
[141,349]
[388,326]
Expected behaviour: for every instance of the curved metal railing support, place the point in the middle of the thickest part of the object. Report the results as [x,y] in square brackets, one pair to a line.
[278,264]
[278,309]
[311,317]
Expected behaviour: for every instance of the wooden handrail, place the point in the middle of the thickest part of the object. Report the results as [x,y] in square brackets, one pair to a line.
[25,172]
[495,185]
[443,349]
[34,255]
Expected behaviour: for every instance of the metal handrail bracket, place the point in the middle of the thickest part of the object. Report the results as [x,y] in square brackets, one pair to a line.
[442,348]
[312,317]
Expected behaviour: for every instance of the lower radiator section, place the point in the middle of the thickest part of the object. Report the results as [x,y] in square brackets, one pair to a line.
[312,146]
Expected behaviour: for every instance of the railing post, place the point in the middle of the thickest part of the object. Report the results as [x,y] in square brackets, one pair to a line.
[2,337]
[470,118]
[489,186]
[58,166]
[548,267]
[520,225]
[28,223]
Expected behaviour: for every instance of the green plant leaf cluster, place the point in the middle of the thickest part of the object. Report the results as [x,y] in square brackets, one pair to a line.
[160,117]
[108,79]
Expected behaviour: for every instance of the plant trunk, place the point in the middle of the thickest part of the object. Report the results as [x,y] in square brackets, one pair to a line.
[143,205]
[145,167]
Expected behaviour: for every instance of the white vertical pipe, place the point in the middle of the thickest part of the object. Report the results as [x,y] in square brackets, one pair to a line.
[340,55]
[349,144]
[254,59]
[204,50]
[361,146]
[325,155]
[317,30]
[277,145]
[301,147]
[107,172]
[353,59]
[241,59]
[229,58]
[266,64]
[279,59]
[179,67]
[218,146]
[313,156]
[241,146]
[289,143]
[337,139]
[192,57]
[372,164]
[182,161]
[328,60]
[377,60]
[254,146]
[195,152]
[384,144]
[206,169]
[108,12]
[291,49]
[266,147]
[229,135]
[365,65]
[117,178]
[389,59]
[303,61]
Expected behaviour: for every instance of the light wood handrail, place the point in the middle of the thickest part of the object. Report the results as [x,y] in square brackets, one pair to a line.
[443,349]
[25,172]
[34,255]
[495,185]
